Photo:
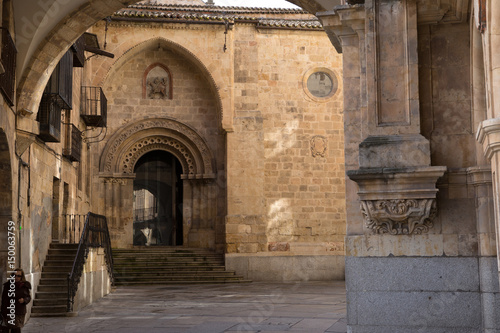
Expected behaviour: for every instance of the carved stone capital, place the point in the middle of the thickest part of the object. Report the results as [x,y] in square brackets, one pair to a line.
[399,217]
[398,201]
[121,179]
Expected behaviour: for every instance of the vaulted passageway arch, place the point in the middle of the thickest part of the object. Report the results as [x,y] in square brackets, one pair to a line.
[8,231]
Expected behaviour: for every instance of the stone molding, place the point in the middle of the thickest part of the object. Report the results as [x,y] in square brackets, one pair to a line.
[119,179]
[332,75]
[141,147]
[398,201]
[480,175]
[133,141]
[488,135]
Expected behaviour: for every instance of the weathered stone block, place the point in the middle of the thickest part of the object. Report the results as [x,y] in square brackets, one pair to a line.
[394,151]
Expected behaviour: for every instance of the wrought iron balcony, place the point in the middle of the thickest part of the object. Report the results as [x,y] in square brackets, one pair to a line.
[60,84]
[78,49]
[8,77]
[49,117]
[73,148]
[94,106]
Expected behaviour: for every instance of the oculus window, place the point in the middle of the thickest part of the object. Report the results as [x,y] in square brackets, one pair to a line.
[320,84]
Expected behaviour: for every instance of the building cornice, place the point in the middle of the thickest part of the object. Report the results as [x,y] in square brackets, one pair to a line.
[263,18]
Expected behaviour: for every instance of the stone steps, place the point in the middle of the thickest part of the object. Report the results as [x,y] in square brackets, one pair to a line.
[51,297]
[169,268]
[170,265]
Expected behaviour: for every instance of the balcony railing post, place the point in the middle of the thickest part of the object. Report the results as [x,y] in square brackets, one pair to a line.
[93,106]
[70,299]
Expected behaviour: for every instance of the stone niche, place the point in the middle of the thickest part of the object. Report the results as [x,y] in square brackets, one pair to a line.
[157,83]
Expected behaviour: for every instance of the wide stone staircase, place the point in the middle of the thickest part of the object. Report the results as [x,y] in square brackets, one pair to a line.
[51,297]
[170,265]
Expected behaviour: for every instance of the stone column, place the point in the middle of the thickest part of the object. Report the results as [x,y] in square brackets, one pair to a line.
[396,264]
[382,118]
[187,209]
[489,136]
[488,133]
[118,208]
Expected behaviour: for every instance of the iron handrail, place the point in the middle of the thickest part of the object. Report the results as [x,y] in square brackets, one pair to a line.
[95,234]
[73,226]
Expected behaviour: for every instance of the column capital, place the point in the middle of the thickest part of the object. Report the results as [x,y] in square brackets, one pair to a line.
[398,201]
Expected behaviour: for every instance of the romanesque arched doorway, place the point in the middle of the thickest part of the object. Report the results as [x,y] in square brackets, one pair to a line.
[158,196]
[148,143]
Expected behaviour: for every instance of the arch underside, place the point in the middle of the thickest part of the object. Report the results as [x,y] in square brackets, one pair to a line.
[125,148]
[5,202]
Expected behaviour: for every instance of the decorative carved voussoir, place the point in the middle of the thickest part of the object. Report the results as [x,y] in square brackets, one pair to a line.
[399,216]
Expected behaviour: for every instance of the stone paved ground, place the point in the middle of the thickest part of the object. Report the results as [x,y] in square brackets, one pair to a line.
[308,307]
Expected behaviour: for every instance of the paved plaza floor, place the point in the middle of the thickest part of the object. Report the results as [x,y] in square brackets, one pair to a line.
[308,307]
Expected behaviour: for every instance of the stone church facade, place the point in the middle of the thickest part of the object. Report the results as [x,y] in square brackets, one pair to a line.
[221,99]
[232,98]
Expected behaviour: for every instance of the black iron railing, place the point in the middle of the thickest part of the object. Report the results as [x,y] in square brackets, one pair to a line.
[8,77]
[60,84]
[57,95]
[78,49]
[95,234]
[73,148]
[49,116]
[94,106]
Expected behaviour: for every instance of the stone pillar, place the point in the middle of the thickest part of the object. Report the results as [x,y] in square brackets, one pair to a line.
[488,133]
[401,271]
[489,136]
[187,209]
[196,190]
[119,200]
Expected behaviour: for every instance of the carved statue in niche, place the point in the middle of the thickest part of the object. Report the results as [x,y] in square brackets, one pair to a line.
[158,88]
[158,83]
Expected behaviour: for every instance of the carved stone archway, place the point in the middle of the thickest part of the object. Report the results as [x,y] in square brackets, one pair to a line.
[127,145]
[117,163]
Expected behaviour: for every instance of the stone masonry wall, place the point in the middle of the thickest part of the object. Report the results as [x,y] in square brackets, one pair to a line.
[288,197]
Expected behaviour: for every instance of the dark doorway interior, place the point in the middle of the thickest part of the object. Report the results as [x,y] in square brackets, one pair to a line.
[158,200]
